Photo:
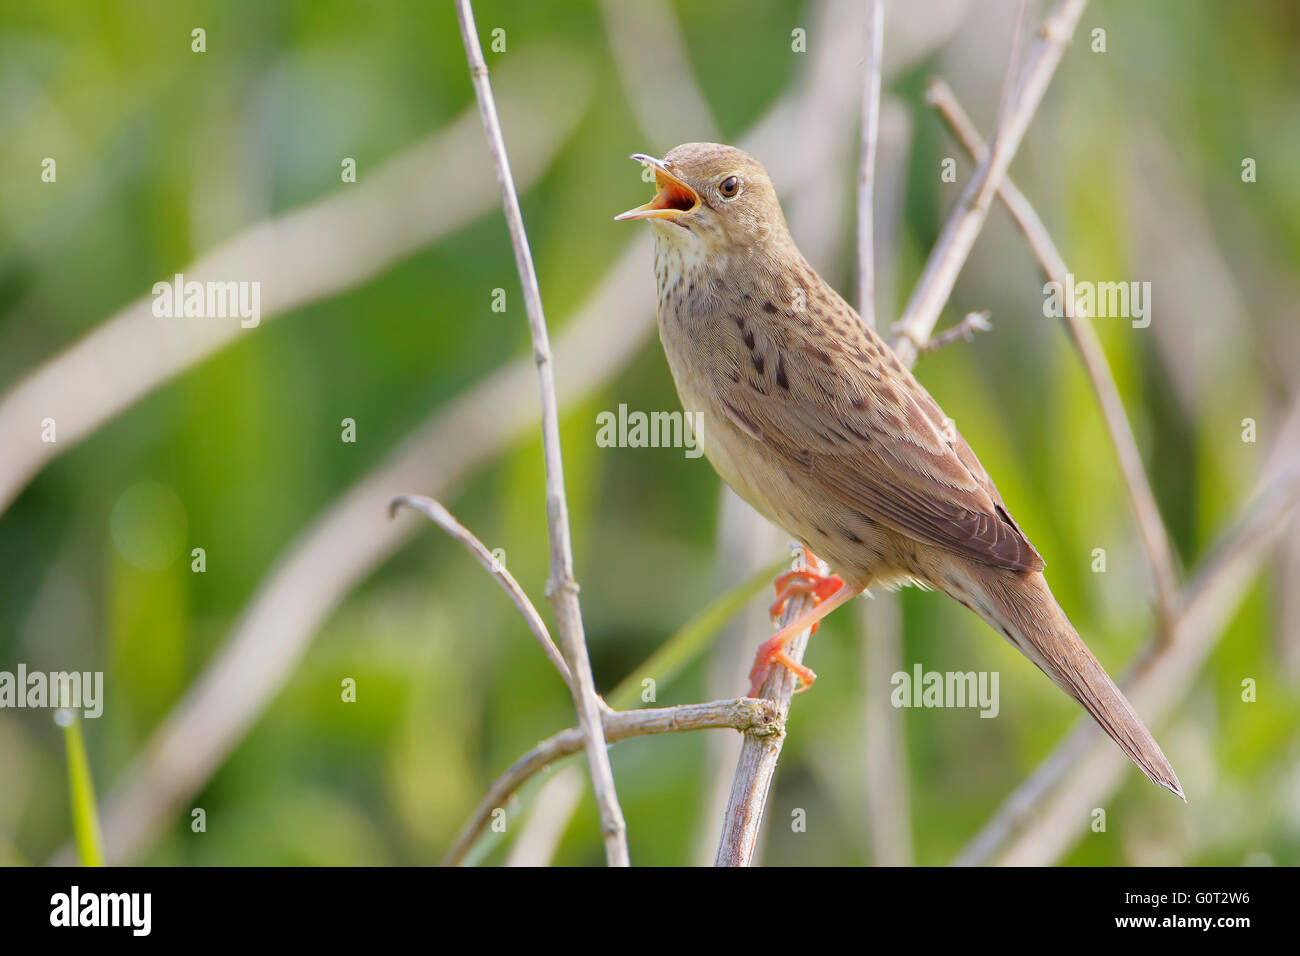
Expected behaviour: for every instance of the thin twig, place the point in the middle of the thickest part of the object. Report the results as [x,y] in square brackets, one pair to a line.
[884,750]
[1011,78]
[747,714]
[744,540]
[688,642]
[963,331]
[968,216]
[884,755]
[562,588]
[761,749]
[440,516]
[867,169]
[1151,528]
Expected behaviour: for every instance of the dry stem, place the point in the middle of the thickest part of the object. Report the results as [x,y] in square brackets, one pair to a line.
[760,751]
[562,588]
[440,516]
[967,218]
[963,331]
[867,169]
[1151,528]
[746,714]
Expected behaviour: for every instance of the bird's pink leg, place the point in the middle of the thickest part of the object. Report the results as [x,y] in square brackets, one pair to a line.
[773,650]
[803,582]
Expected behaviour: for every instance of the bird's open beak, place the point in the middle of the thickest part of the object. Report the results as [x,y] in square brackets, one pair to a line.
[672,199]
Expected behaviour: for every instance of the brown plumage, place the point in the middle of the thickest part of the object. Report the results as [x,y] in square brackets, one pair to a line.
[812,419]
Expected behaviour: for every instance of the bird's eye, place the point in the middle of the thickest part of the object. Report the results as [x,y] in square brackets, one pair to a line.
[730,187]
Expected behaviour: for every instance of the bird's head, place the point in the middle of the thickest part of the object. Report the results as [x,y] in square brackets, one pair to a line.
[712,194]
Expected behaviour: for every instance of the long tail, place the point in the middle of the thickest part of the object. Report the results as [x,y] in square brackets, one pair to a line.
[1020,606]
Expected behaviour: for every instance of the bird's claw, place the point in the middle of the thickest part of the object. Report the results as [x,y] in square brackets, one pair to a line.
[819,586]
[771,653]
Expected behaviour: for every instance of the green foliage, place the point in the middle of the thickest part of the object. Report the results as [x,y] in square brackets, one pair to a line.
[81,796]
[164,154]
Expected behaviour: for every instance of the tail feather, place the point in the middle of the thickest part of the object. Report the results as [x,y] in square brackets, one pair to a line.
[1020,606]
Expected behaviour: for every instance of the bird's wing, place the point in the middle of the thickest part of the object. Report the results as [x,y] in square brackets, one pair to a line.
[866,434]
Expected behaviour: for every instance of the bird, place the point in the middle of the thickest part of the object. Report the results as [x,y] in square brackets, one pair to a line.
[808,414]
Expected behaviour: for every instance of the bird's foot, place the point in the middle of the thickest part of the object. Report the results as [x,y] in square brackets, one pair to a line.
[828,592]
[820,586]
[773,653]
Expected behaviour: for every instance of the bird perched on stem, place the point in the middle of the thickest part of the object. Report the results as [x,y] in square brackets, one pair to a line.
[808,414]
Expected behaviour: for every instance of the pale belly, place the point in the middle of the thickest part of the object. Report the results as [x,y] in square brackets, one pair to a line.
[861,552]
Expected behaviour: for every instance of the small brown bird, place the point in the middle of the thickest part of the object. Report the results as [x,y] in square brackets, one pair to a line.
[813,420]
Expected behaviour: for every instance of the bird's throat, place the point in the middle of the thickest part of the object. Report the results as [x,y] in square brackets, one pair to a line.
[685,272]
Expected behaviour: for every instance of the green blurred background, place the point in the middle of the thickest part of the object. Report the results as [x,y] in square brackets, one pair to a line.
[1134,161]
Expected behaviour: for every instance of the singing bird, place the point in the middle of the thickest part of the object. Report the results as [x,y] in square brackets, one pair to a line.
[809,415]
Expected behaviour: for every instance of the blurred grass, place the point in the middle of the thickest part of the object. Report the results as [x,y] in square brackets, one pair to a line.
[81,795]
[687,644]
